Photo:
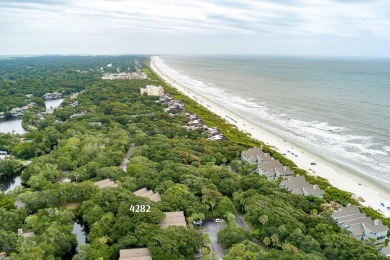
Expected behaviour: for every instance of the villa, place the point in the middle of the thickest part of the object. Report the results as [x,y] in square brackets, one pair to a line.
[125,76]
[106,183]
[173,219]
[152,90]
[250,155]
[359,225]
[299,185]
[54,95]
[144,192]
[267,165]
[135,254]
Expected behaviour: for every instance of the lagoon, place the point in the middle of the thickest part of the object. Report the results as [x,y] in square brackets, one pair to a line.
[15,125]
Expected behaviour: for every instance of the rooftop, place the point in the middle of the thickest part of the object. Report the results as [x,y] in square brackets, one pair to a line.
[252,153]
[144,192]
[135,254]
[173,219]
[106,183]
[376,226]
[345,211]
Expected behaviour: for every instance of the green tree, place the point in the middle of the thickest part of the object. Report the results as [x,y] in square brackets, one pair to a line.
[267,241]
[232,234]
[6,202]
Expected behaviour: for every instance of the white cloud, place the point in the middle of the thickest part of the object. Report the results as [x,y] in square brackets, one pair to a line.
[265,20]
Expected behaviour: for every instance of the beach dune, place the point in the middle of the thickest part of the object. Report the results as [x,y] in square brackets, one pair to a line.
[341,177]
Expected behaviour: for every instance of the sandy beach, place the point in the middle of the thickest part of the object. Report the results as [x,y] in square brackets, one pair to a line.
[339,176]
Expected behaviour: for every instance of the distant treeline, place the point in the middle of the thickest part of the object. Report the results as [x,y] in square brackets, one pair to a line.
[38,75]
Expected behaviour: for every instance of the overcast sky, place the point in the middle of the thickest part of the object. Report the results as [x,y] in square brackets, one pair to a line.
[267,27]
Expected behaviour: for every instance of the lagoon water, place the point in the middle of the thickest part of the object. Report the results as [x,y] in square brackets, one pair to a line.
[12,126]
[337,108]
[15,125]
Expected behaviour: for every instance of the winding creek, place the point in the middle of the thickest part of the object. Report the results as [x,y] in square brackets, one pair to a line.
[9,184]
[15,126]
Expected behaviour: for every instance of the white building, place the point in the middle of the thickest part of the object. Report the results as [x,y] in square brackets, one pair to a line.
[359,225]
[152,90]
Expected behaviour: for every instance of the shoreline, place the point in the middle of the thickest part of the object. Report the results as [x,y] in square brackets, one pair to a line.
[338,176]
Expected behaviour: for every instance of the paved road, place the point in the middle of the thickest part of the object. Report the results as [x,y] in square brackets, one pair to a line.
[126,160]
[212,229]
[241,222]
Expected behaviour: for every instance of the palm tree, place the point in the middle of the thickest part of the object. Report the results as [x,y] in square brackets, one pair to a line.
[267,241]
[275,240]
[263,219]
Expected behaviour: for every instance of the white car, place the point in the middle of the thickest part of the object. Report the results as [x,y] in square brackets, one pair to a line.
[197,222]
[218,220]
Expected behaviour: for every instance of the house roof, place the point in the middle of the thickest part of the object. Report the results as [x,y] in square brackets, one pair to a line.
[294,181]
[173,219]
[356,221]
[144,192]
[106,183]
[313,190]
[356,230]
[350,217]
[252,153]
[262,156]
[345,211]
[274,163]
[285,171]
[155,197]
[375,226]
[135,254]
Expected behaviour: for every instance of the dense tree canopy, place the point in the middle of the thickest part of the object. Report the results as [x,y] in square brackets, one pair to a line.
[69,153]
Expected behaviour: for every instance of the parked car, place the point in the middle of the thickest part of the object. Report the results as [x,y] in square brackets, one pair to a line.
[218,220]
[197,222]
[313,163]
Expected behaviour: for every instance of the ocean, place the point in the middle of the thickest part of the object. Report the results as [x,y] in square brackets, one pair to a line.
[335,107]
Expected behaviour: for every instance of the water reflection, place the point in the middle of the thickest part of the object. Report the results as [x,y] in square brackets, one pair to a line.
[15,125]
[80,233]
[12,126]
[9,183]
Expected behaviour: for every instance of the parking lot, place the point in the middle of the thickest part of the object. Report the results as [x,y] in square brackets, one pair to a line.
[212,228]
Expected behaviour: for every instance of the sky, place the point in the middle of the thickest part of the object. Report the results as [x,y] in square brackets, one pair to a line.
[357,28]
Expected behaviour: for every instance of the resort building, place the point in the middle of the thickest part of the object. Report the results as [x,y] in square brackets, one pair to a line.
[284,172]
[54,95]
[359,225]
[152,90]
[250,155]
[267,168]
[267,165]
[144,192]
[106,183]
[173,219]
[299,185]
[174,105]
[125,75]
[135,254]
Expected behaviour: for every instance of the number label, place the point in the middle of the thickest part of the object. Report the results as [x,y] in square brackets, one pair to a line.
[140,208]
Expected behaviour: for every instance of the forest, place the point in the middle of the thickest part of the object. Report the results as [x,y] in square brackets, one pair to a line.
[204,179]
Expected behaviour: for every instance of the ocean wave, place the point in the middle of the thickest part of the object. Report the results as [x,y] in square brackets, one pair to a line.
[336,142]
